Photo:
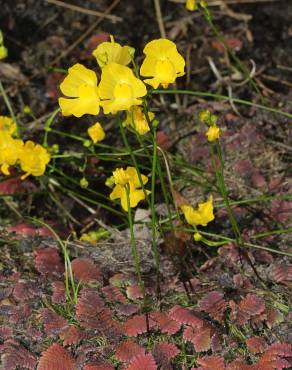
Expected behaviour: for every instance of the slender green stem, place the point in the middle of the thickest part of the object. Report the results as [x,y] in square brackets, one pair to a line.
[48,124]
[221,182]
[222,97]
[152,207]
[9,106]
[122,130]
[135,251]
[238,62]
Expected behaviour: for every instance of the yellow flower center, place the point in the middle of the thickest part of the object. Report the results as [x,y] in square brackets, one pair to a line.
[165,70]
[123,91]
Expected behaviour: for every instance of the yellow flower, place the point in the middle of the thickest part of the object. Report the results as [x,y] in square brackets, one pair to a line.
[213,133]
[128,178]
[136,119]
[96,132]
[191,5]
[112,52]
[201,216]
[10,150]
[33,159]
[81,87]
[163,62]
[7,124]
[119,88]
[135,195]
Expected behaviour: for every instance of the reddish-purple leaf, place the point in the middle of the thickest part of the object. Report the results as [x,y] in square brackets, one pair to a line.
[163,352]
[5,332]
[15,356]
[59,292]
[71,335]
[100,366]
[252,305]
[214,304]
[211,363]
[165,323]
[142,362]
[84,270]
[184,316]
[56,358]
[48,262]
[137,325]
[200,338]
[113,294]
[256,345]
[16,185]
[22,229]
[53,323]
[127,309]
[25,290]
[134,292]
[282,273]
[127,350]
[92,313]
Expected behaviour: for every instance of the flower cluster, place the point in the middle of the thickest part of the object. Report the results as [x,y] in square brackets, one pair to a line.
[213,132]
[31,157]
[119,88]
[127,187]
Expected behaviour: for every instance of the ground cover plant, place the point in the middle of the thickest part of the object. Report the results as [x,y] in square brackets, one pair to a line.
[145,206]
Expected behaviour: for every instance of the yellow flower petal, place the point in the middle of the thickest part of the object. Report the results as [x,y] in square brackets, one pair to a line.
[34,158]
[162,62]
[81,85]
[7,124]
[202,216]
[119,88]
[191,5]
[213,133]
[96,132]
[112,52]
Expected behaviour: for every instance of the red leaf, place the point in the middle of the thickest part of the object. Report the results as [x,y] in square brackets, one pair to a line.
[101,366]
[48,262]
[214,304]
[165,323]
[84,270]
[53,323]
[256,345]
[143,362]
[127,350]
[16,356]
[134,292]
[184,316]
[252,305]
[274,317]
[59,292]
[163,140]
[25,290]
[201,339]
[16,185]
[212,363]
[163,352]
[113,294]
[56,358]
[72,335]
[127,309]
[137,325]
[92,313]
[22,229]
[258,180]
[281,210]
[233,43]
[282,273]
[5,332]
[53,81]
